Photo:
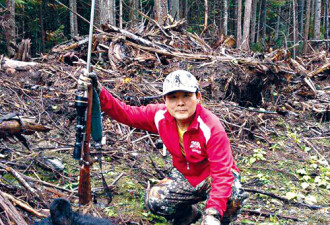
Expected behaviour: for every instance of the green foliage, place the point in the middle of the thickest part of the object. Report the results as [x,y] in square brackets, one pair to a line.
[110,211]
[257,156]
[71,185]
[256,47]
[277,3]
[55,37]
[154,218]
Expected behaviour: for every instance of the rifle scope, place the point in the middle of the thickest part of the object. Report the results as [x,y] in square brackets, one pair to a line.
[81,106]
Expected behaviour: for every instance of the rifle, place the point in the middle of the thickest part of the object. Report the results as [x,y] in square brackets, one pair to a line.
[84,127]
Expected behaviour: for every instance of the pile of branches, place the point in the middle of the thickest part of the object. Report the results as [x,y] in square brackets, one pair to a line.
[250,78]
[247,90]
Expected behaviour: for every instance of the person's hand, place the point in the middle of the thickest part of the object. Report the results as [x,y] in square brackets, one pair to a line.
[211,217]
[86,79]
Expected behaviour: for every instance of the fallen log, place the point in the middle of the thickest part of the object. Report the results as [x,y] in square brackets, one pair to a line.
[17,65]
[13,126]
[319,70]
[134,37]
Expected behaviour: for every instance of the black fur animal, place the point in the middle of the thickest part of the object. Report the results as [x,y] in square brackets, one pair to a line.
[61,214]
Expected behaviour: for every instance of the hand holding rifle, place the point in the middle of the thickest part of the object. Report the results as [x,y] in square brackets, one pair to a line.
[86,79]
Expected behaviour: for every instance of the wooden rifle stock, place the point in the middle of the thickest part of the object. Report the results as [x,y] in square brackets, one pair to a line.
[84,189]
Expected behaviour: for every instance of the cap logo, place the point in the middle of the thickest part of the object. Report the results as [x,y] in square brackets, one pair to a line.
[177,80]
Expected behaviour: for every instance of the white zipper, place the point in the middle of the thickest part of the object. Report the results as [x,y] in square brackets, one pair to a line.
[188,168]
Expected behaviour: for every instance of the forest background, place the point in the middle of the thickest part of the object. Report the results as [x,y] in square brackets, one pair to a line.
[256,24]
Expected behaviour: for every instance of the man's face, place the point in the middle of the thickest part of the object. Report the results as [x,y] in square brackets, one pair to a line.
[182,105]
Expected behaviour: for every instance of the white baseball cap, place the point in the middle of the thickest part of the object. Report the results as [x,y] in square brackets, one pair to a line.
[180,80]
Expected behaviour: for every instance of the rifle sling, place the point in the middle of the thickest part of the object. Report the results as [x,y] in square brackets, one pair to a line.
[97,137]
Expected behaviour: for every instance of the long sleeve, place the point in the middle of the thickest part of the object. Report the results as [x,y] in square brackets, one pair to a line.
[221,162]
[140,117]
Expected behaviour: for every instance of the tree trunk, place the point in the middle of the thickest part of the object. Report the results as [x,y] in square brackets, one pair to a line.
[326,22]
[246,28]
[11,34]
[306,32]
[294,22]
[160,9]
[239,23]
[234,18]
[312,18]
[217,16]
[317,21]
[42,28]
[120,14]
[106,10]
[263,21]
[112,11]
[175,9]
[206,15]
[225,17]
[277,29]
[133,14]
[97,18]
[73,19]
[186,12]
[253,21]
[259,23]
[301,4]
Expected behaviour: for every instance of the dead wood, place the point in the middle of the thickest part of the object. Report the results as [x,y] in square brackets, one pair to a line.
[269,214]
[13,126]
[288,201]
[156,23]
[319,70]
[24,50]
[17,65]
[22,181]
[10,210]
[69,46]
[300,68]
[134,37]
[23,205]
[47,184]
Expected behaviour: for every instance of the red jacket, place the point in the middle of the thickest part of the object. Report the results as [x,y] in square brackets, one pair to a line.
[206,144]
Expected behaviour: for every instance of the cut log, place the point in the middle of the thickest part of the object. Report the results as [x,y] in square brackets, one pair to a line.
[12,127]
[18,65]
[24,51]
